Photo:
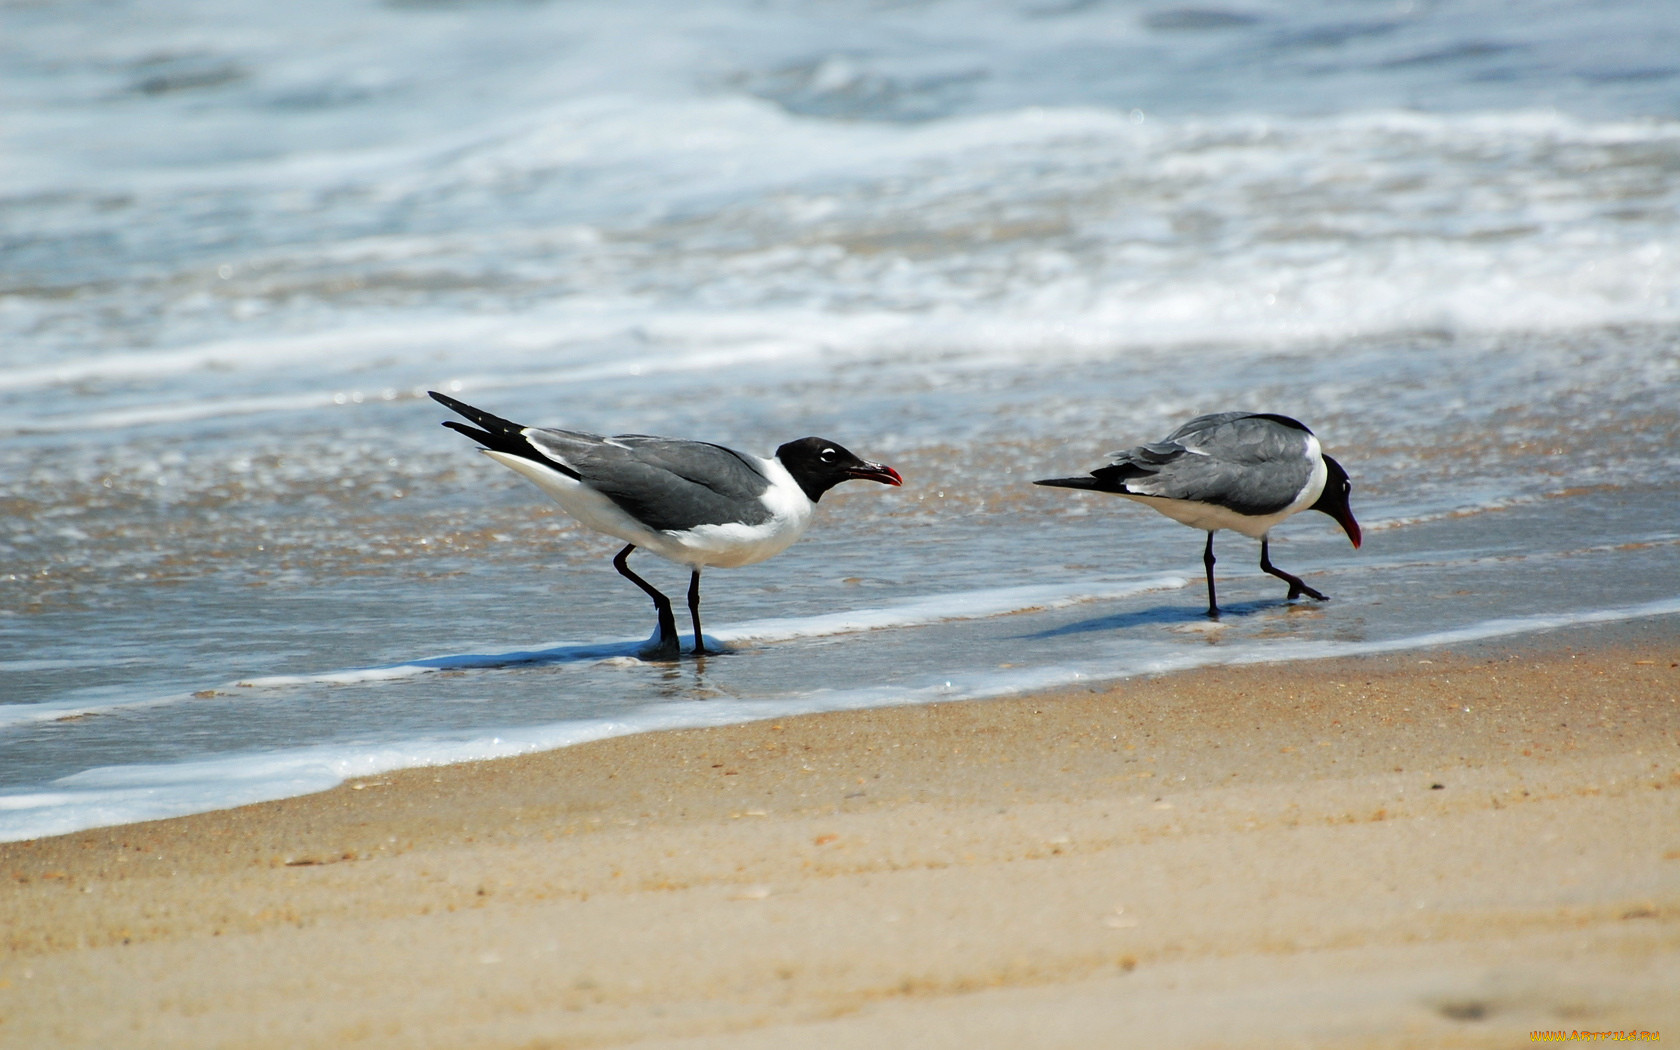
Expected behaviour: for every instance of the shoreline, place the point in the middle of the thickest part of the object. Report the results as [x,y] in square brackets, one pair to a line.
[142,792]
[1432,847]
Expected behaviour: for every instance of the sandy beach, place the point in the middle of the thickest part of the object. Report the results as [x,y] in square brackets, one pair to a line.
[1431,848]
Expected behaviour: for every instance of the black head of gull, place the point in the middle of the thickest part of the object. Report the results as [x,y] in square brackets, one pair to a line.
[1244,471]
[819,464]
[691,502]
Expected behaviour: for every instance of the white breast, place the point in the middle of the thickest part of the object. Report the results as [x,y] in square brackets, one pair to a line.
[731,546]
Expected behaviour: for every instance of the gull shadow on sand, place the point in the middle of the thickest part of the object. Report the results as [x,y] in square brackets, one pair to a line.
[643,652]
[1157,616]
[583,652]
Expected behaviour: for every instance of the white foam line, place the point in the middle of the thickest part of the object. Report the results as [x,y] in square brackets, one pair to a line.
[965,605]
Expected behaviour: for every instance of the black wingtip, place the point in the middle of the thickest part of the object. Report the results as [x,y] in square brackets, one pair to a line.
[455,406]
[497,434]
[480,436]
[1068,483]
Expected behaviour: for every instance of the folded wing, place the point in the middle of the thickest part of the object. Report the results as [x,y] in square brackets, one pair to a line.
[1249,464]
[667,484]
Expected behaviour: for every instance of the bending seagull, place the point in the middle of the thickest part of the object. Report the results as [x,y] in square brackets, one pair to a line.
[1231,470]
[691,502]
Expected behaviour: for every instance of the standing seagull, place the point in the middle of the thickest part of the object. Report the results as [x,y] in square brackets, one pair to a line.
[691,502]
[1231,470]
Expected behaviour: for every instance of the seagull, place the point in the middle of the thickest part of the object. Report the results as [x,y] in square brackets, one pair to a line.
[690,502]
[1246,471]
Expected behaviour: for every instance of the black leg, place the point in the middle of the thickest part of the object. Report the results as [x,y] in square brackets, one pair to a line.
[694,612]
[1296,587]
[665,646]
[1207,560]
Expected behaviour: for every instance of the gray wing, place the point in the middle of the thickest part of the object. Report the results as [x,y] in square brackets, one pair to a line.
[1250,464]
[667,484]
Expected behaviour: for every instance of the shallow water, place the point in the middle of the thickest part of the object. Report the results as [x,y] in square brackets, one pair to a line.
[982,242]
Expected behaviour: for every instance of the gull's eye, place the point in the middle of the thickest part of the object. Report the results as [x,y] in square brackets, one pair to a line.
[828,455]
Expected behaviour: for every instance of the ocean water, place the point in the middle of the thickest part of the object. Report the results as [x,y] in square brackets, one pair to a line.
[982,241]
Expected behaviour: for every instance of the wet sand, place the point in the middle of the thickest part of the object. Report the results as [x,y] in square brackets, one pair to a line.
[1435,849]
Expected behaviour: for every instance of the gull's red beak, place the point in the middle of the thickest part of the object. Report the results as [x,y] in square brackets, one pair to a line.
[875,472]
[1349,526]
